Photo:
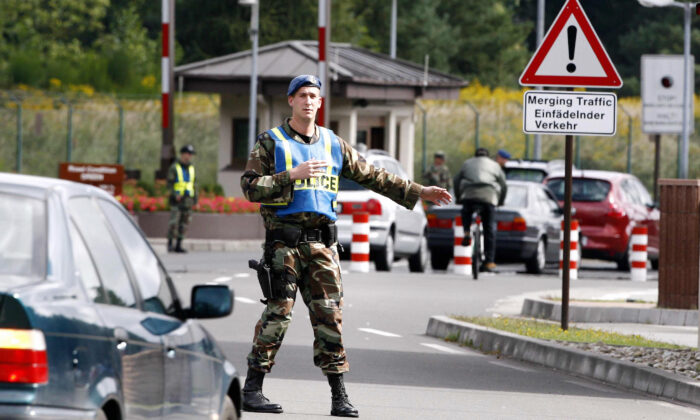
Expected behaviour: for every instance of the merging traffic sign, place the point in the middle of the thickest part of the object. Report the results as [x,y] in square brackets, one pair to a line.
[576,113]
[571,55]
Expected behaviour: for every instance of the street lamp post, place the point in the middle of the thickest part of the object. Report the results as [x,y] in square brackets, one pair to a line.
[253,108]
[683,159]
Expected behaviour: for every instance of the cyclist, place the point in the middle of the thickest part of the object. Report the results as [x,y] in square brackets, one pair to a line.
[481,185]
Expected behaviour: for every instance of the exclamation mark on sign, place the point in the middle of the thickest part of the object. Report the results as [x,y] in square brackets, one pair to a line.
[571,32]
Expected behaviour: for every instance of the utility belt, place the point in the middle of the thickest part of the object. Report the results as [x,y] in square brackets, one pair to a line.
[293,236]
[275,284]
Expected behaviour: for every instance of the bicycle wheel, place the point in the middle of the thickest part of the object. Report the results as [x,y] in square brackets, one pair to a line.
[476,252]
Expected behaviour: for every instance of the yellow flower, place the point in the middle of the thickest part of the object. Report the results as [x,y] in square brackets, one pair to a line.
[54,83]
[148,81]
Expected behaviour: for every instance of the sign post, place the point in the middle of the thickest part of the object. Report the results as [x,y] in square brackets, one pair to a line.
[571,55]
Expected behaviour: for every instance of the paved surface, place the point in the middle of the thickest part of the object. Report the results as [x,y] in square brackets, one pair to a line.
[397,372]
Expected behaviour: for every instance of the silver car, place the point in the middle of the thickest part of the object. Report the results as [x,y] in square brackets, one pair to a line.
[395,232]
[91,326]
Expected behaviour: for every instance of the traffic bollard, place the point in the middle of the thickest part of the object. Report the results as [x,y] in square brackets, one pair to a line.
[359,248]
[462,254]
[574,251]
[638,253]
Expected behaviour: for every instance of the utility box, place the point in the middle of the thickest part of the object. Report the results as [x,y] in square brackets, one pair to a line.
[679,243]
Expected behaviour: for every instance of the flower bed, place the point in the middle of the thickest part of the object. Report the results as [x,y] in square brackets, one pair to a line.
[137,198]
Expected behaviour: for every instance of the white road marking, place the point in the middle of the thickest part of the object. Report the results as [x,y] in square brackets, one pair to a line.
[510,366]
[222,279]
[378,332]
[241,275]
[245,300]
[443,348]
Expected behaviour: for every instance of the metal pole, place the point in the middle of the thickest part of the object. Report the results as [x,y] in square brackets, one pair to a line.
[527,146]
[392,48]
[69,137]
[19,137]
[476,124]
[566,269]
[657,160]
[629,139]
[253,109]
[425,135]
[167,152]
[537,152]
[686,93]
[120,136]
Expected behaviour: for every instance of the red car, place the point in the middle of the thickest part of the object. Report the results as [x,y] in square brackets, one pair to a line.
[608,205]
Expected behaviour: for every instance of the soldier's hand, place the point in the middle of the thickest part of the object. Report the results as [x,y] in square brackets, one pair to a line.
[436,195]
[309,169]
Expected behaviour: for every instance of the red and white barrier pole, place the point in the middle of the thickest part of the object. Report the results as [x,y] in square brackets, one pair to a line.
[462,254]
[359,248]
[574,253]
[638,253]
[323,40]
[165,65]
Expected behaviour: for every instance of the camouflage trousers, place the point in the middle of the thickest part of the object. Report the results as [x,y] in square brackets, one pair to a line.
[316,271]
[179,219]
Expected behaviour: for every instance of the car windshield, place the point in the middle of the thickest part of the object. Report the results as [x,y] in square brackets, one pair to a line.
[23,239]
[516,197]
[590,190]
[522,174]
[350,185]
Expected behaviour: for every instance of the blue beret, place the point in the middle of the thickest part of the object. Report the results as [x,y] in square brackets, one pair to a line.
[301,81]
[504,154]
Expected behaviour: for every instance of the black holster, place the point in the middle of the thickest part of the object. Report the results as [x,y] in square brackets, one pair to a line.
[292,236]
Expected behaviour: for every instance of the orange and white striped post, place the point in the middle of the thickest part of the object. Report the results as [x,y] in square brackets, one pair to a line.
[462,254]
[638,253]
[359,247]
[574,253]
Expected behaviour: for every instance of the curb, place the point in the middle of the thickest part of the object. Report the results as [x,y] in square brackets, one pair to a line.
[571,360]
[544,309]
[209,245]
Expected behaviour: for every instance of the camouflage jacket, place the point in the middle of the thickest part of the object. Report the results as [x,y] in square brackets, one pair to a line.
[438,176]
[261,184]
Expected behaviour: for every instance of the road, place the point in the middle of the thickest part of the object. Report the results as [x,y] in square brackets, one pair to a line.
[399,373]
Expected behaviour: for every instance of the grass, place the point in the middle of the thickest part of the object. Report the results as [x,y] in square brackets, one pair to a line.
[551,331]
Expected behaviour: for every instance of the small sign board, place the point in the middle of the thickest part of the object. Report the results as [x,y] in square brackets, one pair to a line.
[574,113]
[662,94]
[108,177]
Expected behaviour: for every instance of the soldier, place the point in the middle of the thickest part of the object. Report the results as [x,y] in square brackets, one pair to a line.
[293,170]
[438,174]
[183,195]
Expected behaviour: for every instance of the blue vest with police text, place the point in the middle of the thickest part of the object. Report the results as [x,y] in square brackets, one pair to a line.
[315,195]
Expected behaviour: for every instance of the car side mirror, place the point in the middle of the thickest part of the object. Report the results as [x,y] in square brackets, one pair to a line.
[211,301]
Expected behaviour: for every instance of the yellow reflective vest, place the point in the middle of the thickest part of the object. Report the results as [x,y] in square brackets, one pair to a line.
[182,185]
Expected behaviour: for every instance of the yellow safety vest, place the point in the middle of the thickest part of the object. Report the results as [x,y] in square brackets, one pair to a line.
[181,186]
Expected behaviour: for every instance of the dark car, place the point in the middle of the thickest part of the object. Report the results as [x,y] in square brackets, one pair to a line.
[528,228]
[91,326]
[608,205]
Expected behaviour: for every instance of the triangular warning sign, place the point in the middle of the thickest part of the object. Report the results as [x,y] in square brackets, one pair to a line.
[571,54]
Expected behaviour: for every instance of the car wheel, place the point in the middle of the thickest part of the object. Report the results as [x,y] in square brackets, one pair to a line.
[228,411]
[536,264]
[418,262]
[101,415]
[385,256]
[439,260]
[623,264]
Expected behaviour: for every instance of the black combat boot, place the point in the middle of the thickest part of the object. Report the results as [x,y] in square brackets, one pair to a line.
[170,245]
[253,398]
[341,406]
[179,248]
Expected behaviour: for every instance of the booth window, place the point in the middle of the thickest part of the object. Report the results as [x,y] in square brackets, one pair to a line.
[239,146]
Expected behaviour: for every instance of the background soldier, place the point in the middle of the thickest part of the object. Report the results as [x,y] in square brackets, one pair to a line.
[183,195]
[438,174]
[293,171]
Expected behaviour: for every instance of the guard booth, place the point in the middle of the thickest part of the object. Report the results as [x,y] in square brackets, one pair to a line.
[679,243]
[372,97]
